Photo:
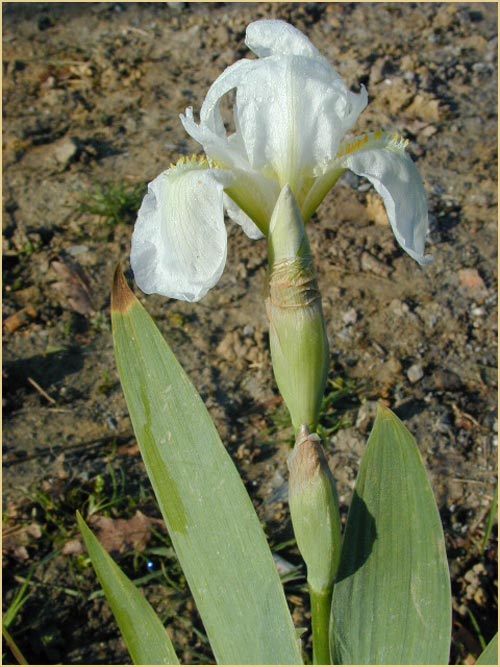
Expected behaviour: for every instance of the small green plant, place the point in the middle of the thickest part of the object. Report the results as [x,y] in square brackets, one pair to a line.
[492,518]
[9,617]
[113,203]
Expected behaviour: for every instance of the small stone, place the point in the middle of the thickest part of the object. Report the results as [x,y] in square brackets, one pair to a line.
[446,380]
[399,308]
[371,264]
[65,150]
[424,108]
[428,131]
[415,373]
[76,250]
[34,530]
[283,566]
[366,416]
[73,548]
[472,284]
[350,316]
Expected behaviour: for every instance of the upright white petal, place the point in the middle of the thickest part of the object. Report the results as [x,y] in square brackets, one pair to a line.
[272,37]
[382,160]
[293,112]
[179,243]
[292,109]
[218,148]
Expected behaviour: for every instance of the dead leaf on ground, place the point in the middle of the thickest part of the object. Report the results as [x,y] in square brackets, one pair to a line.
[74,287]
[19,319]
[16,539]
[120,535]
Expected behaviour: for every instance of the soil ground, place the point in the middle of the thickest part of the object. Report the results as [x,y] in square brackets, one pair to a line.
[91,97]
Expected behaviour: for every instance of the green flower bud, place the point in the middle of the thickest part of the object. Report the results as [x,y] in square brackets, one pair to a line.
[314,510]
[298,340]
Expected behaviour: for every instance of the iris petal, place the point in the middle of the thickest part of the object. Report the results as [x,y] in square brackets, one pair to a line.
[179,243]
[293,113]
[273,37]
[382,160]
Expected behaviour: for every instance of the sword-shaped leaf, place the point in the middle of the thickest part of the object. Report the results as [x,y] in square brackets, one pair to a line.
[211,520]
[392,600]
[490,654]
[142,630]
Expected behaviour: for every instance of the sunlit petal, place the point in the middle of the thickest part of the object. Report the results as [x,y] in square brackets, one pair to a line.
[273,37]
[381,159]
[221,149]
[293,113]
[179,242]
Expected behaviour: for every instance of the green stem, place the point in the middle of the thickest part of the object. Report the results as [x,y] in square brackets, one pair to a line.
[321,602]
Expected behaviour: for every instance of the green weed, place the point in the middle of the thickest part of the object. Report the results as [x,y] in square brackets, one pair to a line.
[113,203]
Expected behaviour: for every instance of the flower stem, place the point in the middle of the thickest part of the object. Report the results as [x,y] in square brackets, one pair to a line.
[320,617]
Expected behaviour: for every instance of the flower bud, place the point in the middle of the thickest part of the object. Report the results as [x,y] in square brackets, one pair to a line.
[314,510]
[298,340]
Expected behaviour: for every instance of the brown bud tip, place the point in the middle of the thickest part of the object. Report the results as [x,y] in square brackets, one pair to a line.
[122,297]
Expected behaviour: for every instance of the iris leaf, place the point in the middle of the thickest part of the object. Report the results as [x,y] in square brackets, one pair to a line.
[146,638]
[213,526]
[392,599]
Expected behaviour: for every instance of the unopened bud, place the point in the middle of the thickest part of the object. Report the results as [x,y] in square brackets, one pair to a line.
[298,340]
[314,510]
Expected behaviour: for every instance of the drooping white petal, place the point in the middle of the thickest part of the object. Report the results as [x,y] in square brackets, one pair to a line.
[383,161]
[242,219]
[179,243]
[272,37]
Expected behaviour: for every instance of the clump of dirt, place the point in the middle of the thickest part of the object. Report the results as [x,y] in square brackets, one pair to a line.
[92,94]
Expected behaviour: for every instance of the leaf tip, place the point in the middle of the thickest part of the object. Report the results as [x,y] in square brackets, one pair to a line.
[383,412]
[122,296]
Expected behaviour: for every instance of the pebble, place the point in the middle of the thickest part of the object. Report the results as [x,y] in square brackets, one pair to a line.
[366,416]
[248,330]
[446,380]
[376,209]
[371,264]
[472,284]
[399,308]
[350,316]
[65,150]
[415,373]
[76,250]
[283,566]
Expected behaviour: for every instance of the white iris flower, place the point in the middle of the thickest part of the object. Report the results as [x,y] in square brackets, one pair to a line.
[291,113]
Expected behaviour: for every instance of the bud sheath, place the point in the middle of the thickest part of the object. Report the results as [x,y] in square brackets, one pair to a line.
[298,340]
[314,510]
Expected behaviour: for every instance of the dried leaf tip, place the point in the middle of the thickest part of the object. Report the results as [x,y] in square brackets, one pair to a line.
[383,412]
[122,297]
